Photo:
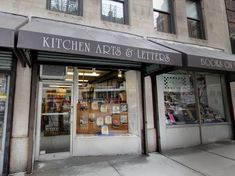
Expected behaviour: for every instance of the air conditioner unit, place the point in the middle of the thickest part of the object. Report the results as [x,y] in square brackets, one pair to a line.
[56,72]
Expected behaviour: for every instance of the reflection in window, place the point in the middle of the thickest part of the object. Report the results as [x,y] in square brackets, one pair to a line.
[66,6]
[179,98]
[210,98]
[102,105]
[162,15]
[195,28]
[3,102]
[113,11]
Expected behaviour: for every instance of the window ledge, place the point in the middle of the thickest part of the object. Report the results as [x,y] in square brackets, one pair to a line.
[110,23]
[215,124]
[182,126]
[65,15]
[105,136]
[165,34]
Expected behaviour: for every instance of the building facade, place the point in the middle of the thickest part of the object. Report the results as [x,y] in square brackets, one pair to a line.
[107,77]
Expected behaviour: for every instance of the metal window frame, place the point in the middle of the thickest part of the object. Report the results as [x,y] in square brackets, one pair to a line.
[171,16]
[79,12]
[200,20]
[125,11]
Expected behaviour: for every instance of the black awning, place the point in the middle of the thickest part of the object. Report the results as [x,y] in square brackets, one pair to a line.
[200,56]
[8,26]
[48,35]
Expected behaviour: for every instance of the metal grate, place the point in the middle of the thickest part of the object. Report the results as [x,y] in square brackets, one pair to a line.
[5,60]
[58,58]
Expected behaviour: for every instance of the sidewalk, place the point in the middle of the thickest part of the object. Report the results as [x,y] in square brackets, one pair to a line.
[216,159]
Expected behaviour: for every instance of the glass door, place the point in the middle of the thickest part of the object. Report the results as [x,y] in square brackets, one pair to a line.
[55,119]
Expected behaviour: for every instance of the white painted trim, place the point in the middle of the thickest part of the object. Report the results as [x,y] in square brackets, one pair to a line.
[59,155]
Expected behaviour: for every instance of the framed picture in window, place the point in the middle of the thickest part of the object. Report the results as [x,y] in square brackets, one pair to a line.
[123,119]
[116,109]
[105,130]
[108,120]
[103,108]
[100,121]
[123,107]
[83,122]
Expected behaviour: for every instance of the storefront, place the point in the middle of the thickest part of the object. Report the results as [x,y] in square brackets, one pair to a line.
[8,26]
[90,85]
[193,101]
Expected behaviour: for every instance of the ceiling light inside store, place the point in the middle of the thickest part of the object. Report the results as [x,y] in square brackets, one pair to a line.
[59,86]
[78,80]
[84,74]
[119,73]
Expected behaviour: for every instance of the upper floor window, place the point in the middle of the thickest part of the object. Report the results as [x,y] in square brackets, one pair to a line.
[162,16]
[194,18]
[115,11]
[73,7]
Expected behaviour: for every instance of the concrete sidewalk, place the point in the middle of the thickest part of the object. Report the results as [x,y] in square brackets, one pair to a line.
[216,159]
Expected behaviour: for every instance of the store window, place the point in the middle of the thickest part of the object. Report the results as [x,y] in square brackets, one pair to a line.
[179,98]
[115,11]
[102,107]
[210,98]
[194,19]
[3,104]
[73,7]
[162,16]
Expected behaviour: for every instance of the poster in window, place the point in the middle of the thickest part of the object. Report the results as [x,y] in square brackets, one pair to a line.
[99,121]
[105,130]
[116,109]
[123,119]
[108,120]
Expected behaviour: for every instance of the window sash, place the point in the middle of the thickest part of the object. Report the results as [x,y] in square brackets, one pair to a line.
[199,33]
[164,9]
[78,12]
[196,10]
[113,18]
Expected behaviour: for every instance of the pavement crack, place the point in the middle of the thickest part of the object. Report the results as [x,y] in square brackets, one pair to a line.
[115,169]
[185,165]
[218,155]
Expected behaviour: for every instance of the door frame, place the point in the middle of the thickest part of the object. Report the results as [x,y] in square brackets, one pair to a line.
[59,155]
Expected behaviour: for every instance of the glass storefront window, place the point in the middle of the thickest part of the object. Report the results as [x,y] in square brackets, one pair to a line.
[102,105]
[210,98]
[179,98]
[3,103]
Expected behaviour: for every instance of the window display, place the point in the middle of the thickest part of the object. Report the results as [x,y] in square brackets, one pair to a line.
[102,106]
[210,98]
[179,99]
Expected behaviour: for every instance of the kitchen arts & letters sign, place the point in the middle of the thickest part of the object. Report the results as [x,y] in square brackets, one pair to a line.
[102,49]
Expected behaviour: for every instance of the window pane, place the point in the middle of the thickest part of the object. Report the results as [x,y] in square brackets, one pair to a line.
[67,6]
[192,11]
[210,98]
[102,105]
[194,29]
[179,98]
[162,5]
[113,11]
[161,21]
